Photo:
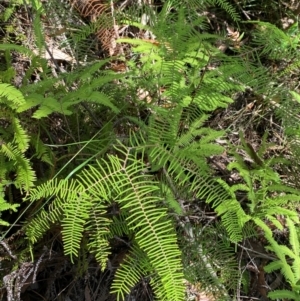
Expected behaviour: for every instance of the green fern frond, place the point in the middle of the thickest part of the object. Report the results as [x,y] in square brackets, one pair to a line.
[89,82]
[276,43]
[42,152]
[42,221]
[137,193]
[118,178]
[54,187]
[170,199]
[228,7]
[4,205]
[85,93]
[185,150]
[294,237]
[134,267]
[76,206]
[175,62]
[98,227]
[76,215]
[289,270]
[119,226]
[291,68]
[270,209]
[208,259]
[11,96]
[20,135]
[283,294]
[38,30]
[9,150]
[274,220]
[25,176]
[37,226]
[233,218]
[49,105]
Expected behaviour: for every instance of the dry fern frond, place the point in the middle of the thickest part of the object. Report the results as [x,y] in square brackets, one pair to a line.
[90,8]
[100,12]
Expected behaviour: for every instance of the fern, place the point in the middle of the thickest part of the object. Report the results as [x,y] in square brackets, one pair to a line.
[288,270]
[261,203]
[14,143]
[207,254]
[11,96]
[162,163]
[280,44]
[124,179]
[98,227]
[59,101]
[4,205]
[135,267]
[174,64]
[120,179]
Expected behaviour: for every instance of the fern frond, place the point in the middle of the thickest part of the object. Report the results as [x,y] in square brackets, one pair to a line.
[228,7]
[20,135]
[42,151]
[85,93]
[76,208]
[12,96]
[42,221]
[289,271]
[37,227]
[209,253]
[283,294]
[89,82]
[76,215]
[137,194]
[233,218]
[118,226]
[174,63]
[276,43]
[270,209]
[98,227]
[9,150]
[119,179]
[25,176]
[38,30]
[293,237]
[54,187]
[4,205]
[170,199]
[274,221]
[134,267]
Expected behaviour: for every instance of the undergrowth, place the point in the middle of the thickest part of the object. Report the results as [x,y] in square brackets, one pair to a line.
[101,154]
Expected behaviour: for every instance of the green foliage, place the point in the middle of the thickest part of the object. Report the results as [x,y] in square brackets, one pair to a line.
[159,162]
[117,179]
[7,13]
[207,254]
[80,205]
[4,205]
[278,44]
[265,194]
[60,99]
[126,179]
[14,141]
[288,258]
[180,64]
[292,130]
